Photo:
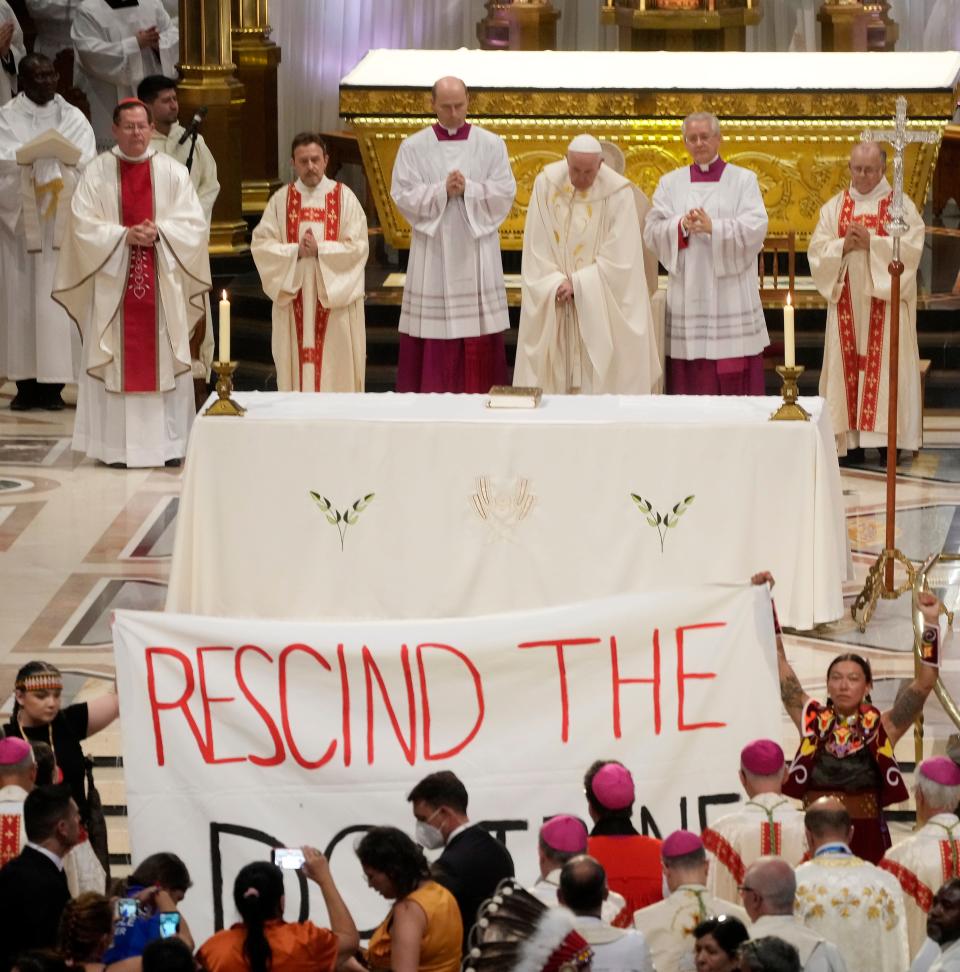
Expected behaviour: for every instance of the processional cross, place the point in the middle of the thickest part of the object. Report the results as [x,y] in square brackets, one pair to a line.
[879,581]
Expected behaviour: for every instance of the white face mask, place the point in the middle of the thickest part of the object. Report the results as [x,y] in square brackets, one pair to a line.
[428,836]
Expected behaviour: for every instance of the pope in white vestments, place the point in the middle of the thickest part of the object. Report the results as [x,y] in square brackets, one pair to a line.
[855,905]
[118,43]
[12,51]
[929,857]
[585,319]
[311,248]
[132,274]
[38,342]
[453,184]
[707,226]
[849,254]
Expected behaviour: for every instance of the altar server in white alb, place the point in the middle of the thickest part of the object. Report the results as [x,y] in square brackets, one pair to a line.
[585,319]
[12,51]
[39,345]
[118,43]
[850,253]
[452,182]
[767,824]
[132,273]
[311,248]
[707,225]
[159,94]
[52,20]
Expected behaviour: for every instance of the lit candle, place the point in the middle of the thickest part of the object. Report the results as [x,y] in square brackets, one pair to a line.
[224,328]
[789,345]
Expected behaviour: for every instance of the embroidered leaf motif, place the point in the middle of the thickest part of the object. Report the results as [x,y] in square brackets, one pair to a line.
[341,519]
[659,521]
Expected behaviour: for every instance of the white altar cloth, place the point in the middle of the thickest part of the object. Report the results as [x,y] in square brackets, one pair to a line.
[476,510]
[661,70]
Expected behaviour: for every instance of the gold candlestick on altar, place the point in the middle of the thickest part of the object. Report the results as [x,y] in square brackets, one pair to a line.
[225,405]
[790,410]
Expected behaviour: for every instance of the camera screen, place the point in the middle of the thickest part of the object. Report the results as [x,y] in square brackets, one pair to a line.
[127,908]
[169,923]
[290,858]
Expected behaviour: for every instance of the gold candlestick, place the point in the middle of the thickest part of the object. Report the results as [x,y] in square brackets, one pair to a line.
[790,411]
[225,405]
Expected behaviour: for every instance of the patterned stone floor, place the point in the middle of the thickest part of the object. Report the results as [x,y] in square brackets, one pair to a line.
[78,540]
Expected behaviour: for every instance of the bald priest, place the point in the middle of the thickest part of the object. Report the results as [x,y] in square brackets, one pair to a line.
[585,319]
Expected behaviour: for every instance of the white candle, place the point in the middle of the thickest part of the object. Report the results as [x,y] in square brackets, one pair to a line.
[789,344]
[224,328]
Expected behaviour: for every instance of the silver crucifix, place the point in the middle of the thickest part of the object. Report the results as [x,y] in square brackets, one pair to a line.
[899,137]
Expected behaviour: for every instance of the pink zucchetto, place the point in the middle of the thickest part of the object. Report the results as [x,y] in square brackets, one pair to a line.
[762,757]
[13,750]
[942,770]
[612,786]
[681,842]
[565,834]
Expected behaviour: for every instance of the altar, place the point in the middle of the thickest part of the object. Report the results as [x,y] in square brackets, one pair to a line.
[406,506]
[790,117]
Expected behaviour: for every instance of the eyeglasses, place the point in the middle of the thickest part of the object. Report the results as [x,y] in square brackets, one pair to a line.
[134,128]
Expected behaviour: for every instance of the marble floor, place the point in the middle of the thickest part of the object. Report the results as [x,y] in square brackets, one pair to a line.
[78,540]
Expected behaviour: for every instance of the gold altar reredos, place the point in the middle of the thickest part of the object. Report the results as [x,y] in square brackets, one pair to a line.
[798,143]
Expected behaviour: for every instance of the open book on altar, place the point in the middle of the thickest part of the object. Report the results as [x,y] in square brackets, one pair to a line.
[49,145]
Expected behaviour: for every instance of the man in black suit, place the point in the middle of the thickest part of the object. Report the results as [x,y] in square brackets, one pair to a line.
[473,861]
[33,888]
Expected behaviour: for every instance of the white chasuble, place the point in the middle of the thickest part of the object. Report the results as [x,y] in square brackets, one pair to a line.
[454,286]
[319,340]
[855,376]
[668,925]
[603,342]
[768,823]
[37,338]
[856,906]
[135,402]
[110,61]
[17,52]
[922,863]
[713,290]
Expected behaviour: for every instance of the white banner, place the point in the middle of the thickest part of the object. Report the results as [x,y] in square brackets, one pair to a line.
[240,734]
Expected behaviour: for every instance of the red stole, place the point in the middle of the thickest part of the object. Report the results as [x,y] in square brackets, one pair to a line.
[853,362]
[330,217]
[9,837]
[140,363]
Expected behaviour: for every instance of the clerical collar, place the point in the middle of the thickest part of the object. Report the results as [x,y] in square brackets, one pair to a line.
[460,134]
[707,173]
[837,847]
[882,188]
[122,4]
[134,158]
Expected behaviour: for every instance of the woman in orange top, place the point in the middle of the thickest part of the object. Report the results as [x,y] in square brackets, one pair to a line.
[263,940]
[423,931]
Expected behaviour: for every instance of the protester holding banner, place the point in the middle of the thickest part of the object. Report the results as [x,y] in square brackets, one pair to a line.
[423,930]
[847,745]
[37,716]
[263,940]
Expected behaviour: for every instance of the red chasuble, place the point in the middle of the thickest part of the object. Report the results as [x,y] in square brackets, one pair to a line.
[330,217]
[140,322]
[854,362]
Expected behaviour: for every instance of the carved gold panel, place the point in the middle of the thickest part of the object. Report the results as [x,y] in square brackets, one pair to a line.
[800,162]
